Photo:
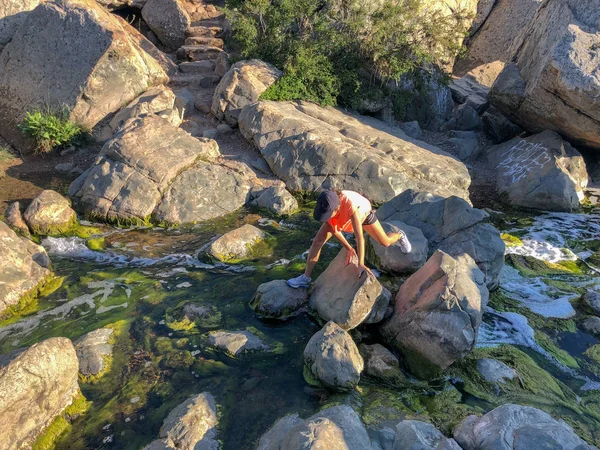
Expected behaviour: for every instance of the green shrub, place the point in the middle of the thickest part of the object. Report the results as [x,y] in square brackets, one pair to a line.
[334,52]
[49,130]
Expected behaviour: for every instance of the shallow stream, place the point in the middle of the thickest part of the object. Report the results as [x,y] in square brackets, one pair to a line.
[142,274]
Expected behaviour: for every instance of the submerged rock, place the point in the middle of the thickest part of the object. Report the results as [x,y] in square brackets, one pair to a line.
[50,213]
[190,426]
[242,85]
[551,82]
[337,427]
[93,349]
[312,148]
[452,225]
[23,267]
[36,385]
[494,371]
[391,259]
[187,316]
[276,300]
[236,244]
[381,363]
[437,314]
[540,172]
[79,76]
[514,427]
[340,295]
[333,358]
[276,199]
[236,342]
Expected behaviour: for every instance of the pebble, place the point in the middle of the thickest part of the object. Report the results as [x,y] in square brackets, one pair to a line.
[135,399]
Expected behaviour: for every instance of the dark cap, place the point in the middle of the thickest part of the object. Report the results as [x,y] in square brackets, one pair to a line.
[327,203]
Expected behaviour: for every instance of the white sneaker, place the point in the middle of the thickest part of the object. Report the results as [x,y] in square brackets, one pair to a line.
[301,281]
[404,243]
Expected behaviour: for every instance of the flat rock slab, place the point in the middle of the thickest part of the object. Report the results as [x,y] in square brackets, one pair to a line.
[437,314]
[36,385]
[340,295]
[50,213]
[92,350]
[333,358]
[495,371]
[236,342]
[23,266]
[540,172]
[277,300]
[312,148]
[514,427]
[236,244]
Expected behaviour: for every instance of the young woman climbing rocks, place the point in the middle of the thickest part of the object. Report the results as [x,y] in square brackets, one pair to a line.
[351,212]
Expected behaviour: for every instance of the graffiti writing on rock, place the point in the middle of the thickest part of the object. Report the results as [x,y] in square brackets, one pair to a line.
[523,158]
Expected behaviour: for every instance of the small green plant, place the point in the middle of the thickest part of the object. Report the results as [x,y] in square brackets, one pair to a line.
[6,153]
[49,129]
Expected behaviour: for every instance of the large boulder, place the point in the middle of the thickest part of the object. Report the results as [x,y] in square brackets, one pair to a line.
[153,170]
[277,300]
[192,425]
[169,20]
[333,358]
[36,385]
[337,427]
[452,225]
[541,172]
[50,213]
[391,259]
[12,16]
[494,39]
[340,295]
[23,267]
[437,313]
[380,363]
[312,148]
[474,87]
[514,427]
[276,199]
[552,81]
[417,435]
[93,350]
[103,67]
[242,85]
[237,244]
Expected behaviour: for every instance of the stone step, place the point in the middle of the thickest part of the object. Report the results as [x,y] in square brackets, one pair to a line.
[204,31]
[204,67]
[193,80]
[198,52]
[201,40]
[208,23]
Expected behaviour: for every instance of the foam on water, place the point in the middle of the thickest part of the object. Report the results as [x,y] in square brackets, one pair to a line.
[547,238]
[536,295]
[500,328]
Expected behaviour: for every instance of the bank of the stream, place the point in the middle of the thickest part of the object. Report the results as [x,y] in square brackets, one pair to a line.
[140,278]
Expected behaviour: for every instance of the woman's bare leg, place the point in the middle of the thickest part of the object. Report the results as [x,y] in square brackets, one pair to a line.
[377,232]
[323,235]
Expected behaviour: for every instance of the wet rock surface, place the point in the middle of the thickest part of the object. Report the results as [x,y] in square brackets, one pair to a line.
[36,385]
[276,300]
[333,358]
[93,349]
[237,244]
[340,295]
[236,342]
[23,266]
[437,313]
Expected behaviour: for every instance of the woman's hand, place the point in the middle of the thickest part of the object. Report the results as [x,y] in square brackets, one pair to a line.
[351,257]
[362,268]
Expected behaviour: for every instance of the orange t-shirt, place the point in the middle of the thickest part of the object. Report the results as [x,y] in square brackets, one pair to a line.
[350,202]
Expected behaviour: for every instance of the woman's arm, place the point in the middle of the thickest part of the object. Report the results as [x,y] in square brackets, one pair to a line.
[350,252]
[360,244]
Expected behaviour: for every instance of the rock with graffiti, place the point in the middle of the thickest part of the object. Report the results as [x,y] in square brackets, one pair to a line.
[540,172]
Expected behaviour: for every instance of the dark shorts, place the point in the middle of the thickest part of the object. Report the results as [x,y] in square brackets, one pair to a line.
[371,218]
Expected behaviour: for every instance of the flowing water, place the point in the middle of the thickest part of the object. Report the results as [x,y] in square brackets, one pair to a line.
[145,273]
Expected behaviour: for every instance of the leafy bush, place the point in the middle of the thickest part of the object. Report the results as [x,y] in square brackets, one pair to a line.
[49,130]
[340,52]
